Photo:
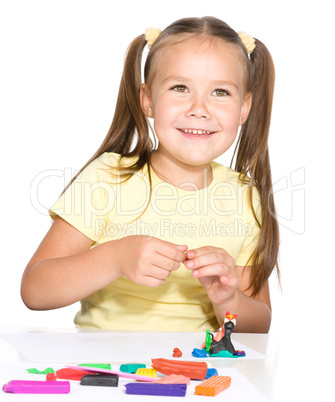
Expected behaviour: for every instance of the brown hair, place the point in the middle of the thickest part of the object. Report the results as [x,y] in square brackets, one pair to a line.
[129,131]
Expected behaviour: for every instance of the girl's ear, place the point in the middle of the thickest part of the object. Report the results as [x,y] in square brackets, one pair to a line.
[246,106]
[146,103]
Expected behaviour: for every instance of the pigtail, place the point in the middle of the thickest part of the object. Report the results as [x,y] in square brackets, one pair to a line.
[128,134]
[252,160]
[129,120]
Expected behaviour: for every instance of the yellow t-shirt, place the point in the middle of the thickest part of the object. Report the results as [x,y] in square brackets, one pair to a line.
[104,208]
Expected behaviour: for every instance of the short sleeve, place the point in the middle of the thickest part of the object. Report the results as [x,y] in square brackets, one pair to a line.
[90,199]
[252,234]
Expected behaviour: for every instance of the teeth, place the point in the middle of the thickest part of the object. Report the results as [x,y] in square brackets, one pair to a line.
[196,132]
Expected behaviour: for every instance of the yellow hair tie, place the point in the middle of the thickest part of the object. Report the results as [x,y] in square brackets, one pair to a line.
[151,34]
[248,41]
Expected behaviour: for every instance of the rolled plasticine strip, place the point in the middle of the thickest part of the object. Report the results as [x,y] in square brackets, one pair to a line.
[213,386]
[193,370]
[156,389]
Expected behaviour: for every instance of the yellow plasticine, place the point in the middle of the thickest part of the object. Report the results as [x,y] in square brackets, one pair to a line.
[149,372]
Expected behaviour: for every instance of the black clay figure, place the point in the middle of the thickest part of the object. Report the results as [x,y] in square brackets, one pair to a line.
[225,342]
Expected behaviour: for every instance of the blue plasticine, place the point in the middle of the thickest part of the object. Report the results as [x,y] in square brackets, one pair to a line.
[156,389]
[199,352]
[211,372]
[223,353]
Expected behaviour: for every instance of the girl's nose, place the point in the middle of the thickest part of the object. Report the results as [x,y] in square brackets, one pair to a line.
[198,110]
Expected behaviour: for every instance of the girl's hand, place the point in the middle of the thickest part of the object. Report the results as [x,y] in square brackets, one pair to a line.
[147,260]
[215,269]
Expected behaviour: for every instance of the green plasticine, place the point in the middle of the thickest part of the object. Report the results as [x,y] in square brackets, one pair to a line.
[131,367]
[46,371]
[97,365]
[223,353]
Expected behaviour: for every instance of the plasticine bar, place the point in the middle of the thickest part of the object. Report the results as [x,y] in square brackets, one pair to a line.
[156,389]
[131,367]
[102,380]
[213,386]
[70,374]
[193,370]
[149,372]
[37,387]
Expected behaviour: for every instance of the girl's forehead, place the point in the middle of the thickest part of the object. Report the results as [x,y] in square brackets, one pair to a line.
[202,51]
[199,44]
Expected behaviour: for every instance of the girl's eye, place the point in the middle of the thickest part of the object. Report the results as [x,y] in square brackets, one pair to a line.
[180,88]
[221,92]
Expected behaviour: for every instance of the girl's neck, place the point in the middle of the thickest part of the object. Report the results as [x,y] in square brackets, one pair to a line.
[186,177]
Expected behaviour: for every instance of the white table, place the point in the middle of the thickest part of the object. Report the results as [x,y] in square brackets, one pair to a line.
[292,367]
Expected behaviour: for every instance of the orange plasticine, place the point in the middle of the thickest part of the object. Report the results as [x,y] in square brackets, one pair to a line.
[213,386]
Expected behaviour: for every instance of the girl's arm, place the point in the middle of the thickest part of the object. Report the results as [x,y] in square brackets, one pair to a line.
[227,288]
[254,313]
[64,270]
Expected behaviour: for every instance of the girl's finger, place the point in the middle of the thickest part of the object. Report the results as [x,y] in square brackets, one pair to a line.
[212,270]
[209,259]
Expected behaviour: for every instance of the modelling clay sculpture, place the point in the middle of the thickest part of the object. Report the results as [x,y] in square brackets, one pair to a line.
[221,345]
[213,385]
[225,343]
[193,370]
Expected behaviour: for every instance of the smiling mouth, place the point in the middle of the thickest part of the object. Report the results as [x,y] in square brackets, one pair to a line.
[195,131]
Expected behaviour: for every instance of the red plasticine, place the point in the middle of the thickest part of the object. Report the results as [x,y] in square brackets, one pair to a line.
[213,386]
[70,374]
[193,370]
[51,377]
[177,352]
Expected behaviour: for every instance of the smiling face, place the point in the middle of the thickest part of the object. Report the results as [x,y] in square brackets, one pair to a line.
[197,99]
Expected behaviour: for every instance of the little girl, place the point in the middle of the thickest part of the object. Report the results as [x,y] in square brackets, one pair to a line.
[159,236]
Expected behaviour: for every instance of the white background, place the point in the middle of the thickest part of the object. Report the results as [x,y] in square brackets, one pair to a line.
[60,66]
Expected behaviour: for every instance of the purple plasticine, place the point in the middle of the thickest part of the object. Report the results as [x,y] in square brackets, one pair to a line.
[37,387]
[156,389]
